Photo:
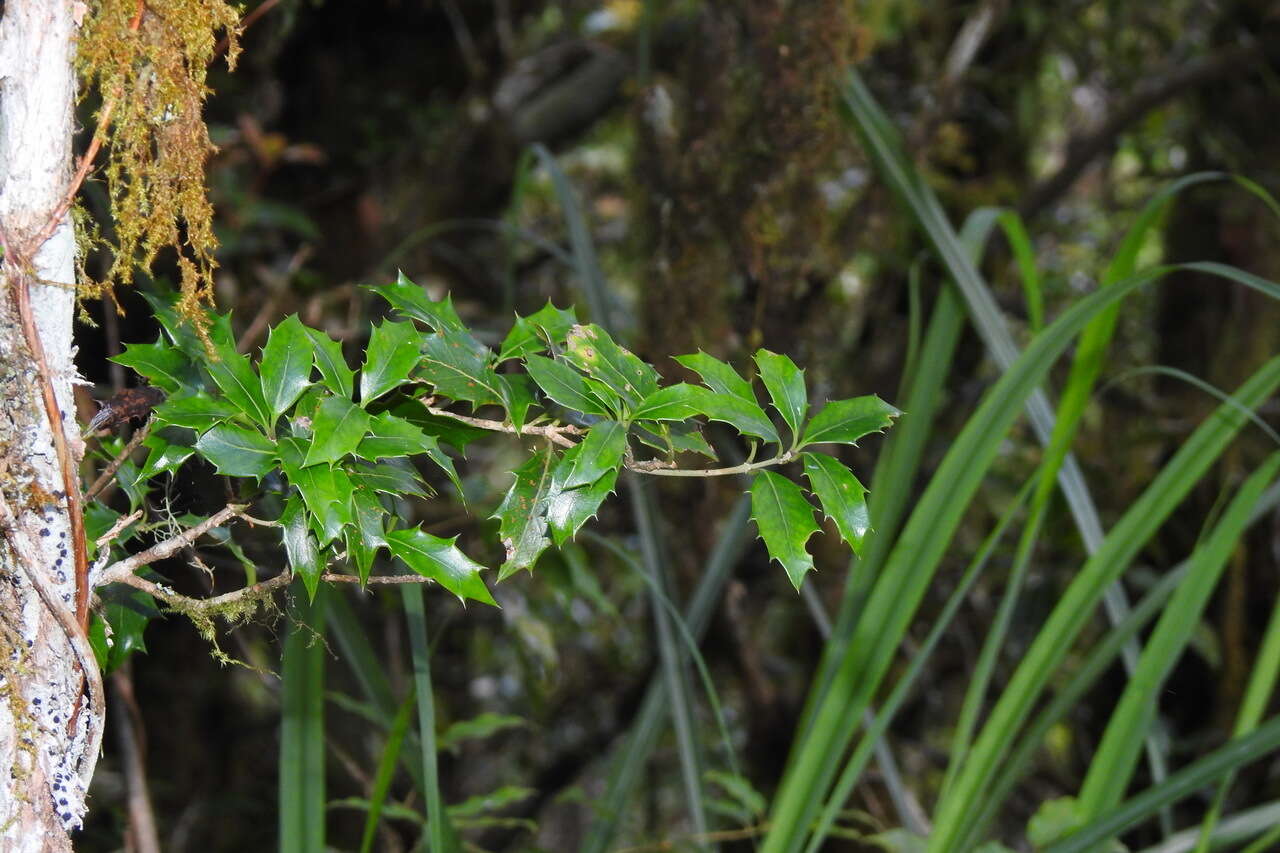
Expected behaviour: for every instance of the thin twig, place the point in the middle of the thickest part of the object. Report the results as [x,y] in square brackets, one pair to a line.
[125,568]
[559,433]
[657,469]
[110,471]
[120,524]
[556,432]
[259,590]
[132,742]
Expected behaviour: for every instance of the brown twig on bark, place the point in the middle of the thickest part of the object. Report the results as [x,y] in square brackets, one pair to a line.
[110,471]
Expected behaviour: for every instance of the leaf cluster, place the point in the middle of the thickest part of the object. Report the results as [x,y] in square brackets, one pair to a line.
[335,445]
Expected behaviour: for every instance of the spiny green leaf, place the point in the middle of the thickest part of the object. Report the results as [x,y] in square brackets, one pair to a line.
[532,334]
[286,365]
[522,515]
[390,358]
[412,301]
[843,498]
[368,531]
[237,452]
[785,383]
[128,612]
[336,430]
[458,368]
[717,375]
[300,546]
[590,349]
[440,560]
[164,366]
[396,478]
[197,411]
[234,375]
[846,421]
[785,521]
[326,491]
[391,437]
[518,395]
[335,373]
[570,508]
[677,402]
[674,403]
[565,385]
[597,454]
[165,457]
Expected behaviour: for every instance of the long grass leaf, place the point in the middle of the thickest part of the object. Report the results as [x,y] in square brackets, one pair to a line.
[1113,761]
[302,802]
[1232,831]
[583,249]
[1236,753]
[689,749]
[902,687]
[1261,687]
[1075,606]
[916,555]
[892,484]
[909,568]
[439,835]
[628,766]
[386,771]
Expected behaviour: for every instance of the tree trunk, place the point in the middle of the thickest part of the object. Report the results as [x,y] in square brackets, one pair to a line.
[50,708]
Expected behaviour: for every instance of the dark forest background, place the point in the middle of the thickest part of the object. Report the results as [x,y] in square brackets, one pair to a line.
[731,207]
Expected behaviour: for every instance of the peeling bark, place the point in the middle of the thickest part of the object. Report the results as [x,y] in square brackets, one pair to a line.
[44,684]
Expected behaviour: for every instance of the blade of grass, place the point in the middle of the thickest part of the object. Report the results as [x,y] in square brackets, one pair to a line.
[1075,606]
[1113,762]
[302,725]
[438,834]
[857,763]
[386,771]
[908,570]
[1024,257]
[689,749]
[1262,685]
[583,249]
[892,485]
[915,557]
[1095,665]
[1234,830]
[1240,751]
[628,766]
[1096,662]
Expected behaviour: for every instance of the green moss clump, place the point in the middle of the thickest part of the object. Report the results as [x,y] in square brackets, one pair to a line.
[150,61]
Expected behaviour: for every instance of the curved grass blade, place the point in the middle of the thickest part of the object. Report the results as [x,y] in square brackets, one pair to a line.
[1076,604]
[1185,782]
[1113,762]
[912,563]
[386,770]
[857,762]
[628,766]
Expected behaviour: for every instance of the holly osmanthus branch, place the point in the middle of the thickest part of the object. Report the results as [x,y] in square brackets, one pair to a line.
[563,435]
